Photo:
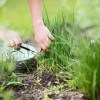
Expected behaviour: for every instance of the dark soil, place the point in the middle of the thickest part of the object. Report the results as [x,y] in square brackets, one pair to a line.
[44,87]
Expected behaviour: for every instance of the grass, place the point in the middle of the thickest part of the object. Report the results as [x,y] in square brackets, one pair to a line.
[7,75]
[61,56]
[71,55]
[16,15]
[19,18]
[87,69]
[60,49]
[75,55]
[5,70]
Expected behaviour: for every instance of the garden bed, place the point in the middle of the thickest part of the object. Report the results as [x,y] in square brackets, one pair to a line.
[44,88]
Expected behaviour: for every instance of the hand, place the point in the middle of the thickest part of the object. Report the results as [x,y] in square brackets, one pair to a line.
[43,37]
[11,39]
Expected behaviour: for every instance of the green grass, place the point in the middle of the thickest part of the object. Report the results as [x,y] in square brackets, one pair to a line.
[88,67]
[74,55]
[60,57]
[16,15]
[6,68]
[71,54]
[7,75]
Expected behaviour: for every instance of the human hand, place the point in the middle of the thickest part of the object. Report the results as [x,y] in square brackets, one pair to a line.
[43,37]
[11,38]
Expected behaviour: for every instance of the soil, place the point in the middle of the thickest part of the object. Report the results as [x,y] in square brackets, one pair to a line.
[43,86]
[35,88]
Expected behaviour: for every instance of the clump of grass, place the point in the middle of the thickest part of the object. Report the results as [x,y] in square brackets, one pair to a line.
[60,57]
[59,51]
[87,71]
[72,53]
[7,76]
[6,66]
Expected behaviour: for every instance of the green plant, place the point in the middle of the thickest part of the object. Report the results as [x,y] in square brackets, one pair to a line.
[87,71]
[60,58]
[72,53]
[6,66]
[5,95]
[7,76]
[60,50]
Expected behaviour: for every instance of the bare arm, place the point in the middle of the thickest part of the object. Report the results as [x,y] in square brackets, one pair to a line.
[36,12]
[42,33]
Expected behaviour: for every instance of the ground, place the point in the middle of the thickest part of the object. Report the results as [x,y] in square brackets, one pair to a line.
[32,90]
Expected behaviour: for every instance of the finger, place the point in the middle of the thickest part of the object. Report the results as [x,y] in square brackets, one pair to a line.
[18,43]
[11,43]
[51,37]
[46,42]
[43,47]
[39,48]
[47,50]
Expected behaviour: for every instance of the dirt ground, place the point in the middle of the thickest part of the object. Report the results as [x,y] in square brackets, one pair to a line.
[44,88]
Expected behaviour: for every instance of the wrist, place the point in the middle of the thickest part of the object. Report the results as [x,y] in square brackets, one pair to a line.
[37,24]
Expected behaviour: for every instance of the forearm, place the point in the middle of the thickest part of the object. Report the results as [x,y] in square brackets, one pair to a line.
[1,37]
[3,34]
[42,33]
[36,12]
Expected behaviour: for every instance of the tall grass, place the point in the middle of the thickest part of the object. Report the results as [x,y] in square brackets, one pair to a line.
[60,49]
[74,53]
[7,64]
[87,71]
[60,57]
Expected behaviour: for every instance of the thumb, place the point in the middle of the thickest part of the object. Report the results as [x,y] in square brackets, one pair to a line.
[39,48]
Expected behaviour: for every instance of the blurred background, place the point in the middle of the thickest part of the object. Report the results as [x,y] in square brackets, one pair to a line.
[15,14]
